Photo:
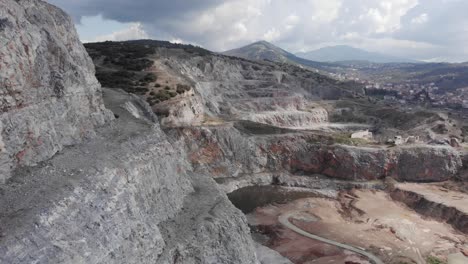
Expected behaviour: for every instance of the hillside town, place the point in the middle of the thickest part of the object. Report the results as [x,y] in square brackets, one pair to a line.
[414,92]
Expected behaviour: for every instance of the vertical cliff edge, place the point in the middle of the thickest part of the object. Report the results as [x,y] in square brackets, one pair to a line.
[49,97]
[89,176]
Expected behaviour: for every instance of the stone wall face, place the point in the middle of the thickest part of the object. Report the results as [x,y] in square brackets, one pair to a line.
[49,96]
[225,152]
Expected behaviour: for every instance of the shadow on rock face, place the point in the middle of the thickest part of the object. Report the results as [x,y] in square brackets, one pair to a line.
[249,198]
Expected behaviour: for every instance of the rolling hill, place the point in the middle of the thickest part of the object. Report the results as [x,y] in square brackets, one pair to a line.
[263,50]
[347,53]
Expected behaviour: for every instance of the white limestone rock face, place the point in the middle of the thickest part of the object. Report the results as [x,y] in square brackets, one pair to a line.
[49,96]
[126,196]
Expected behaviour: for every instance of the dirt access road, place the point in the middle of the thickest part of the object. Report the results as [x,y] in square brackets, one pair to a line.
[284,220]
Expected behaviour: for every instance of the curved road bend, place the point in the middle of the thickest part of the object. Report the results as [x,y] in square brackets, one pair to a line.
[284,220]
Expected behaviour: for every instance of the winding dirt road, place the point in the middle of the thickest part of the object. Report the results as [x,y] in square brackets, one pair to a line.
[284,220]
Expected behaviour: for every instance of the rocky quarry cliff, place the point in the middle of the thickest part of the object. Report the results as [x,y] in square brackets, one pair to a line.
[138,171]
[84,185]
[242,118]
[49,97]
[254,124]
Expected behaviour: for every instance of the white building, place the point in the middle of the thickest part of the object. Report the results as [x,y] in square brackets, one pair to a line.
[363,135]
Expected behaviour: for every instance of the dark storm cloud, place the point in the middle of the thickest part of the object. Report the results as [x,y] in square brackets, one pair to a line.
[144,11]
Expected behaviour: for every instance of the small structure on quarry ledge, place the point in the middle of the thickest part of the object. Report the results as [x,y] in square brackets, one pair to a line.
[399,140]
[363,135]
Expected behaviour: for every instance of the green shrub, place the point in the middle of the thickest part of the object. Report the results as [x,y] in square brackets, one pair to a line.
[181,88]
[345,139]
[164,95]
[149,77]
[434,260]
[161,96]
[118,79]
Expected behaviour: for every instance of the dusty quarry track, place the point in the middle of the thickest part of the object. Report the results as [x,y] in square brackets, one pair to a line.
[284,220]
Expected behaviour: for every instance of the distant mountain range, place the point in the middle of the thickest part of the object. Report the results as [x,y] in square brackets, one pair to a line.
[263,50]
[346,53]
[324,58]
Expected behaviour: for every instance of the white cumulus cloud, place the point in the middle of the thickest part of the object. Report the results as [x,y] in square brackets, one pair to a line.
[134,31]
[421,19]
[410,28]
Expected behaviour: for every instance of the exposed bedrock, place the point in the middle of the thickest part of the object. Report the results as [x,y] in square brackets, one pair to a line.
[439,210]
[225,151]
[114,193]
[127,196]
[49,97]
[229,90]
[289,118]
[413,163]
[236,89]
[186,109]
[464,170]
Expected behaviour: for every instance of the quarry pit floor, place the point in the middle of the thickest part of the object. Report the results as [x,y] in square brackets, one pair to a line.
[365,219]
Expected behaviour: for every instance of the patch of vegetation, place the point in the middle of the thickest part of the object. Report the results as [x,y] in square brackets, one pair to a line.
[152,100]
[128,56]
[140,90]
[160,96]
[380,115]
[434,260]
[122,64]
[400,119]
[116,79]
[318,139]
[348,117]
[133,64]
[254,128]
[130,81]
[150,77]
[345,139]
[139,48]
[182,88]
[464,130]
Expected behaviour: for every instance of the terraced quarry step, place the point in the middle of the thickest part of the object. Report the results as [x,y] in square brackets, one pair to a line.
[436,202]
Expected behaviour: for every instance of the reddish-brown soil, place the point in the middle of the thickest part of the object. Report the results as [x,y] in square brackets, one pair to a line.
[362,218]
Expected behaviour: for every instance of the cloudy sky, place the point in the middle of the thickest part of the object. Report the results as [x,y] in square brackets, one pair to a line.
[418,29]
